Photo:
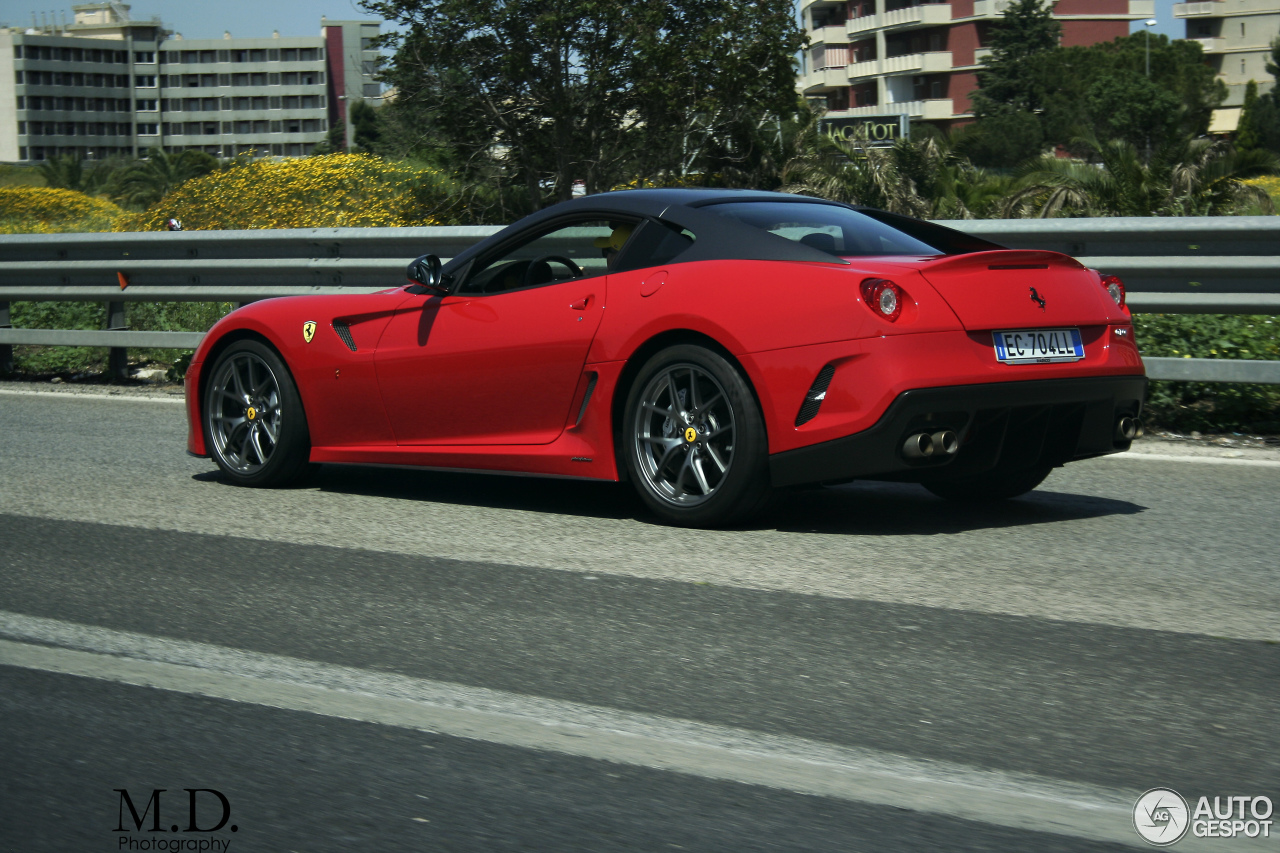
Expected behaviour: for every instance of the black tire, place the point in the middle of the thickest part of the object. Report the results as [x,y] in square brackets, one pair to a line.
[703,461]
[253,417]
[995,485]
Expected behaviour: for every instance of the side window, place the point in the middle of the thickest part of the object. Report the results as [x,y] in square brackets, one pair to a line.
[655,244]
[568,251]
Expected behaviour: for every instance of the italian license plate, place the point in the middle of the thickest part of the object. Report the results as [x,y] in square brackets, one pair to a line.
[1038,346]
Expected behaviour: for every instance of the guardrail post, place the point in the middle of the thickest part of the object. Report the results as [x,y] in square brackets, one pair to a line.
[118,360]
[6,350]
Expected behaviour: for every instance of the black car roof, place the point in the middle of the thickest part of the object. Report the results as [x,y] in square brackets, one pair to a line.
[718,237]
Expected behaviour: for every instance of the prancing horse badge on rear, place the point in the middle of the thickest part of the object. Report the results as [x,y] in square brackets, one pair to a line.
[308,330]
[1035,297]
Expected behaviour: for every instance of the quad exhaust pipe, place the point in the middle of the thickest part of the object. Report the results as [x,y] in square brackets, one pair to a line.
[922,445]
[1128,428]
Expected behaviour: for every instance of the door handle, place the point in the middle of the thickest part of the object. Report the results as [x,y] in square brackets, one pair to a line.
[580,305]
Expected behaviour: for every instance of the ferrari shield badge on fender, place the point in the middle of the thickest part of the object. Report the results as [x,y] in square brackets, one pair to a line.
[308,330]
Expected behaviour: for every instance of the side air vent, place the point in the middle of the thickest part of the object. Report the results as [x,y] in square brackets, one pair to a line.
[817,393]
[586,398]
[344,332]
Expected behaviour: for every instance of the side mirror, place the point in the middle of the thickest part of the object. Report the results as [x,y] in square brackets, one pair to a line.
[425,272]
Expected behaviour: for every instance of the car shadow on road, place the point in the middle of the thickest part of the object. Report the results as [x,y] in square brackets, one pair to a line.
[862,508]
[587,498]
[904,509]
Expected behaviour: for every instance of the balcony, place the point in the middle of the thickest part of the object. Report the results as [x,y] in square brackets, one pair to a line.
[990,8]
[1211,45]
[918,63]
[911,63]
[927,15]
[828,35]
[1197,10]
[817,82]
[934,109]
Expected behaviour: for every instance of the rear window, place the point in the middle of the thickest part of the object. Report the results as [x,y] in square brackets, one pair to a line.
[840,231]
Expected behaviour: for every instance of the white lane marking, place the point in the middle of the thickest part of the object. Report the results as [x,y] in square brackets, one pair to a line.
[91,395]
[1017,801]
[1214,460]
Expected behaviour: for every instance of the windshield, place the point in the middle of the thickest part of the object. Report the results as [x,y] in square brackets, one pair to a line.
[841,231]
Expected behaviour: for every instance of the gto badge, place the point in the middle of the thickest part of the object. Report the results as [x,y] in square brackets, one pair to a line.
[691,435]
[308,330]
[1037,299]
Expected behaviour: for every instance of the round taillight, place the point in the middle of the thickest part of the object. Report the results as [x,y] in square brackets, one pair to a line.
[883,297]
[1115,287]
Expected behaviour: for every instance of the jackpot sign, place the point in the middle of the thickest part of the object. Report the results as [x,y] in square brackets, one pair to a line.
[876,130]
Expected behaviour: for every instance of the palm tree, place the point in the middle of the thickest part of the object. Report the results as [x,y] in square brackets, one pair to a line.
[923,177]
[152,178]
[1183,177]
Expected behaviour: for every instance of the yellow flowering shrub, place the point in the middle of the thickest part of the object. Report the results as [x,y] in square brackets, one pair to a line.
[45,210]
[332,191]
[1270,183]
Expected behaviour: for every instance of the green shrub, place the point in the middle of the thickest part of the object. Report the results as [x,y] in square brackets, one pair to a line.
[1211,406]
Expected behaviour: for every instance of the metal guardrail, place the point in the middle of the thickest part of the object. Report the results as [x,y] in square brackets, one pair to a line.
[1192,265]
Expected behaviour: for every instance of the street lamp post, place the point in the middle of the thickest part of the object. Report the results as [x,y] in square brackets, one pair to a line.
[346,121]
[1149,23]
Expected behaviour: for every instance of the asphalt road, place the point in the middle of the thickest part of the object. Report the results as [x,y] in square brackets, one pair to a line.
[425,661]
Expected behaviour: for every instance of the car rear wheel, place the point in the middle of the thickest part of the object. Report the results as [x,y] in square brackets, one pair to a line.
[695,440]
[254,418]
[996,485]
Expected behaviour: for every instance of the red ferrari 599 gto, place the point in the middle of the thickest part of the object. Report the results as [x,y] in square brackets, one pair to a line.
[706,345]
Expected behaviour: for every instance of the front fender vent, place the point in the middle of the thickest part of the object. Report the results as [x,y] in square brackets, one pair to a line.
[344,332]
[817,393]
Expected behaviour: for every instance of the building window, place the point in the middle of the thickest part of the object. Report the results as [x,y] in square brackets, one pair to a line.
[148,130]
[148,105]
[224,56]
[144,57]
[145,81]
[17,54]
[22,128]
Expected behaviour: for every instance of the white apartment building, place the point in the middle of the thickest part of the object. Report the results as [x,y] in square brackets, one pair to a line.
[1236,36]
[109,85]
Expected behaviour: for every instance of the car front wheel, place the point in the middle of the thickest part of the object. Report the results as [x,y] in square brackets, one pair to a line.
[254,418]
[695,440]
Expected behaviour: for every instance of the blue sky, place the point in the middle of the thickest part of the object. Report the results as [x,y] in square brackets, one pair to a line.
[207,18]
[256,18]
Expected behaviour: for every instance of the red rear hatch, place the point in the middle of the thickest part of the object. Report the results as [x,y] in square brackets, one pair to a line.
[1021,289]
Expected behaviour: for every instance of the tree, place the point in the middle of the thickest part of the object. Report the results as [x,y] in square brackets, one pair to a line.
[541,94]
[1102,90]
[1260,119]
[1012,77]
[1184,176]
[68,172]
[152,178]
[924,176]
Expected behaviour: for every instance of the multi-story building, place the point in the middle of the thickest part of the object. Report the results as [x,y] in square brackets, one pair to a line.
[1236,36]
[109,85]
[894,58]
